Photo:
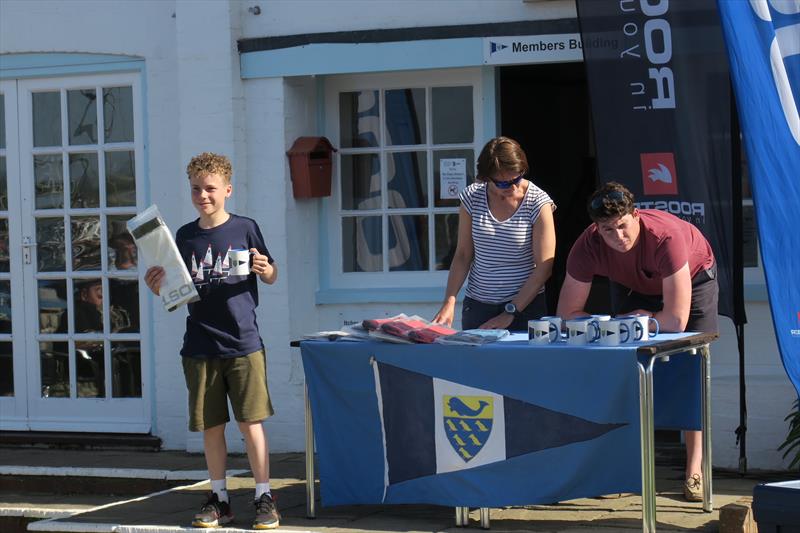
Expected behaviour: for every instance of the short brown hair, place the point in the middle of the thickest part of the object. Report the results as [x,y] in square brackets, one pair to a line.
[610,201]
[210,163]
[501,154]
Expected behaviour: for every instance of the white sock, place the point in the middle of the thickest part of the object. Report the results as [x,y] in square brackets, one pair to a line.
[262,488]
[218,487]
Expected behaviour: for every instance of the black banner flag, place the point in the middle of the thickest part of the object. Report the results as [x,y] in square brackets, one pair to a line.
[660,93]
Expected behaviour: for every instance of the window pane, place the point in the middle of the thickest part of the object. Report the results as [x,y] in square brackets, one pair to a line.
[6,369]
[54,365]
[446,239]
[4,257]
[48,171]
[120,179]
[87,299]
[46,119]
[405,116]
[359,119]
[118,114]
[126,370]
[82,112]
[452,115]
[2,121]
[53,314]
[122,253]
[408,242]
[124,308]
[3,183]
[361,181]
[5,306]
[408,179]
[469,156]
[84,180]
[50,252]
[362,244]
[90,369]
[85,243]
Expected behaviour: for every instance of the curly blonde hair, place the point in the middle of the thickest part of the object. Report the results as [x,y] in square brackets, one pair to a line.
[210,163]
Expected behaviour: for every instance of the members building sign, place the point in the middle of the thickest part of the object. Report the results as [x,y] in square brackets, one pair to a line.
[525,49]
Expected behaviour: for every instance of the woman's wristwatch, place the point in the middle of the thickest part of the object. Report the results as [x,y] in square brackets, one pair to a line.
[511,309]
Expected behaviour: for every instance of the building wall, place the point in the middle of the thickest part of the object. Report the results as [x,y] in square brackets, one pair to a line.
[195,100]
[288,17]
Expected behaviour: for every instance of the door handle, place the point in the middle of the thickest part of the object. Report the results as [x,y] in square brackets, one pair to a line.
[27,244]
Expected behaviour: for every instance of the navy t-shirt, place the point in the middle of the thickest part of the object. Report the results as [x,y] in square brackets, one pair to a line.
[223,322]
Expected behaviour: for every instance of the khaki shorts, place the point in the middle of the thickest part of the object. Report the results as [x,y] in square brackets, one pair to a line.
[212,381]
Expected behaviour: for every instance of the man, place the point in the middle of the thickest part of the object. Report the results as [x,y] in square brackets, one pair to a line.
[658,265]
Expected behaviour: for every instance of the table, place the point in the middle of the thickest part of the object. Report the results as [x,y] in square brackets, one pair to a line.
[573,417]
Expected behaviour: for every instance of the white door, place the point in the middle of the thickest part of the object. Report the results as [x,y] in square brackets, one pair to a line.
[73,157]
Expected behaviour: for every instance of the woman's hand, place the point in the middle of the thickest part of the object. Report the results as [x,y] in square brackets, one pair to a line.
[501,321]
[154,277]
[445,314]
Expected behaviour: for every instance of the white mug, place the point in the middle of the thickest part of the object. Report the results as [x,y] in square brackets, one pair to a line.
[645,321]
[614,332]
[635,327]
[582,330]
[542,332]
[239,261]
[556,321]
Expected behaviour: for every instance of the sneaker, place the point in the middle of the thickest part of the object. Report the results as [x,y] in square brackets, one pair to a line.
[693,488]
[267,516]
[213,513]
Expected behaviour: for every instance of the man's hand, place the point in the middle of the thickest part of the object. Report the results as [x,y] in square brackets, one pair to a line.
[154,277]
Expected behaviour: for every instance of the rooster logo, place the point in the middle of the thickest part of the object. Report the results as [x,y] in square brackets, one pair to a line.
[660,173]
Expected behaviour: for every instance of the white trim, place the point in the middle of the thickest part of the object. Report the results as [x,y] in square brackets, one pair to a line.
[337,279]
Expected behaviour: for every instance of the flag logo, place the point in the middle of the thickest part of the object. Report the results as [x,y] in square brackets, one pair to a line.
[467,423]
[658,173]
[496,47]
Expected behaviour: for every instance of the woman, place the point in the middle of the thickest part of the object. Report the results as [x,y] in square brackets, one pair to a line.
[506,244]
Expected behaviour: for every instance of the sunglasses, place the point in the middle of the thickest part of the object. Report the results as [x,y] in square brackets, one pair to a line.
[500,184]
[613,196]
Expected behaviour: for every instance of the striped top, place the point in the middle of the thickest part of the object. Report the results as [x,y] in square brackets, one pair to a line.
[503,257]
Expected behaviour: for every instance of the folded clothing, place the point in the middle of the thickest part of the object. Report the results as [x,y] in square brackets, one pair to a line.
[430,334]
[401,328]
[375,323]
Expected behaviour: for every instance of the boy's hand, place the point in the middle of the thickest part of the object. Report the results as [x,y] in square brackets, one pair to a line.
[262,268]
[153,278]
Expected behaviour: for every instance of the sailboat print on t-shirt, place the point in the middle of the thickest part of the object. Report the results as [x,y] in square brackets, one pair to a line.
[208,260]
[226,262]
[194,265]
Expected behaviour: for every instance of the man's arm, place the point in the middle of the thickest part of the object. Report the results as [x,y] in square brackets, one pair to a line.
[573,298]
[677,290]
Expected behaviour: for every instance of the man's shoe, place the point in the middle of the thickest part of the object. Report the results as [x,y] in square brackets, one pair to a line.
[267,516]
[213,513]
[693,488]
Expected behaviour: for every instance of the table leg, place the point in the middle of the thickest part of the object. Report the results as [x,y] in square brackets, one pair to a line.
[647,448]
[310,503]
[485,518]
[462,516]
[705,387]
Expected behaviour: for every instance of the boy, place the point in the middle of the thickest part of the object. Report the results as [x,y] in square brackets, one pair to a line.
[223,355]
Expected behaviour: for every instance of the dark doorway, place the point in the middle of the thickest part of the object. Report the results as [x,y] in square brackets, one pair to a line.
[546,109]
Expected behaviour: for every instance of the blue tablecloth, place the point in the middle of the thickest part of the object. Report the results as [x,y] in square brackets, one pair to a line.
[520,425]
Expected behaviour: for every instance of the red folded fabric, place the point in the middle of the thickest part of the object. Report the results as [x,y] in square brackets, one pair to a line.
[430,334]
[375,323]
[401,328]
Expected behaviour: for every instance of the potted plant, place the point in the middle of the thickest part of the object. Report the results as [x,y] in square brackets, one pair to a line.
[792,442]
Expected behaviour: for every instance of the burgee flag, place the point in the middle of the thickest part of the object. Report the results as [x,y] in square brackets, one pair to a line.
[763,39]
[432,425]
